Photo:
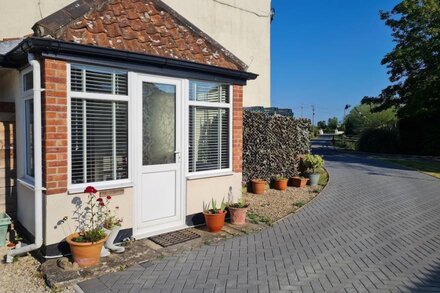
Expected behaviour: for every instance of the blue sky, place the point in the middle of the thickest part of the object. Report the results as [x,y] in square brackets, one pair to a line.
[327,53]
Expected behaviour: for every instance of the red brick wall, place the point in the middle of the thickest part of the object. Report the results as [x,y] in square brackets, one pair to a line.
[54,111]
[237,130]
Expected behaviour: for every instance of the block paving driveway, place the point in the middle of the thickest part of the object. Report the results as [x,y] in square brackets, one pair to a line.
[375,228]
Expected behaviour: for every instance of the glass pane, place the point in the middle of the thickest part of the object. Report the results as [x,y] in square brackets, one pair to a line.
[159,123]
[208,139]
[29,117]
[203,91]
[28,81]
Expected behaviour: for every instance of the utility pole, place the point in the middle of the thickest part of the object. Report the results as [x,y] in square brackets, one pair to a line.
[302,110]
[313,115]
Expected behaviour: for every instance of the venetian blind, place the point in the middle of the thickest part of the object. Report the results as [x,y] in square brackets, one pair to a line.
[99,140]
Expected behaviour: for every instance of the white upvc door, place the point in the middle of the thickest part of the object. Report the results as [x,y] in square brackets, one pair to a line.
[158,128]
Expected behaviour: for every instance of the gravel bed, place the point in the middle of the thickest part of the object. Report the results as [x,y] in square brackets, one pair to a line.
[23,276]
[274,205]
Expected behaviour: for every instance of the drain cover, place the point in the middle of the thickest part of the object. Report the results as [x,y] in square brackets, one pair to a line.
[174,238]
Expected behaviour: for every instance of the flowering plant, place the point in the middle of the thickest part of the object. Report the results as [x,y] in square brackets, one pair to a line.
[92,217]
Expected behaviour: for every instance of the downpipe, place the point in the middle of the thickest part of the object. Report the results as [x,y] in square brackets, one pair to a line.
[38,182]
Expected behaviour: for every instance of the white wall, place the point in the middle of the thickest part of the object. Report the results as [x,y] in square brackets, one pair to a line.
[241,26]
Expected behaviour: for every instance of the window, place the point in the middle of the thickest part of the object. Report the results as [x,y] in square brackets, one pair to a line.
[29,137]
[91,80]
[99,125]
[99,140]
[28,81]
[209,126]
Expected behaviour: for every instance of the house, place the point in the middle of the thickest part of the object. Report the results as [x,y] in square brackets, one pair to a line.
[127,96]
[242,26]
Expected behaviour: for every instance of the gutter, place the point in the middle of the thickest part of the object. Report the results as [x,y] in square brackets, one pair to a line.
[43,45]
[38,179]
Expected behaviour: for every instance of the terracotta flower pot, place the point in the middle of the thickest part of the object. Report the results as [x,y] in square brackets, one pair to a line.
[299,182]
[258,186]
[215,222]
[238,215]
[281,184]
[86,254]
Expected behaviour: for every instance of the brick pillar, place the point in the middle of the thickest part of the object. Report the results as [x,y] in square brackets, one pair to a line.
[54,115]
[237,132]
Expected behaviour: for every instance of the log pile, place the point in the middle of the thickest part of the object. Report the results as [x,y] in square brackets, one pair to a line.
[272,145]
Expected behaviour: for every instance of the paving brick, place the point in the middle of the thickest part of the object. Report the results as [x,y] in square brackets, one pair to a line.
[375,228]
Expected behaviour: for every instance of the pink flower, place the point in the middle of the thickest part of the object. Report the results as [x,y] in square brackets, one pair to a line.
[101,203]
[109,197]
[90,189]
[99,199]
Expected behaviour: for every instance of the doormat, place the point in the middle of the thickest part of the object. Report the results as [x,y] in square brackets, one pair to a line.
[174,238]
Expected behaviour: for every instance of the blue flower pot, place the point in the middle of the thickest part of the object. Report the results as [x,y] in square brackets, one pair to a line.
[314,179]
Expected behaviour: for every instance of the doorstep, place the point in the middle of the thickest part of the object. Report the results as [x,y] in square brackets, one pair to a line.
[140,251]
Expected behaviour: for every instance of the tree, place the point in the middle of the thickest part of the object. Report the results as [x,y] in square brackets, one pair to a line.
[414,63]
[332,123]
[322,125]
[362,117]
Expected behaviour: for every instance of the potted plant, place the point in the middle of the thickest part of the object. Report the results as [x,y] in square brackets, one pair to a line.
[258,186]
[112,225]
[214,216]
[298,181]
[86,245]
[313,163]
[281,182]
[238,211]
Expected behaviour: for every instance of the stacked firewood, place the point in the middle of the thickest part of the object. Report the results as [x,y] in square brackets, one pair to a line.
[273,145]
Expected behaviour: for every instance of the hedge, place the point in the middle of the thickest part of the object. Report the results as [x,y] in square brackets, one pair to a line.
[272,145]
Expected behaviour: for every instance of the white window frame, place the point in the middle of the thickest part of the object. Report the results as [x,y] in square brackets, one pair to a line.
[102,185]
[214,105]
[25,96]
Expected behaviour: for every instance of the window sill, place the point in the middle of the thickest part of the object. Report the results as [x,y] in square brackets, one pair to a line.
[29,184]
[99,187]
[209,175]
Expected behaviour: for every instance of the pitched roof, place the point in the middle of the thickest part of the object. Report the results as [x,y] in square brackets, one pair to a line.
[142,26]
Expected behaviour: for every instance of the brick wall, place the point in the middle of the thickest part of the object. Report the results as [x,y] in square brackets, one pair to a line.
[237,132]
[54,111]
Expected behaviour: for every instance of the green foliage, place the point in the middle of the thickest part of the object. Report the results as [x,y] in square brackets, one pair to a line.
[362,117]
[313,162]
[257,219]
[332,123]
[280,177]
[241,204]
[299,203]
[414,63]
[212,208]
[322,125]
[93,235]
[382,140]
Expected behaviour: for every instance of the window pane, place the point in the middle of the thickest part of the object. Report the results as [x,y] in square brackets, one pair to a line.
[159,123]
[208,138]
[98,81]
[208,92]
[99,136]
[29,119]
[28,81]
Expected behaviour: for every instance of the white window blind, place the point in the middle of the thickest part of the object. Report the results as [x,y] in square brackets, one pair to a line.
[209,127]
[29,152]
[84,79]
[99,140]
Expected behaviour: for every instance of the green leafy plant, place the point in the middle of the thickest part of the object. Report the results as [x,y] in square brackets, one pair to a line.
[92,216]
[280,177]
[313,162]
[241,204]
[299,203]
[212,208]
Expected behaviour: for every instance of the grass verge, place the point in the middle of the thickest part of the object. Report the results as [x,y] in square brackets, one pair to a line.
[430,168]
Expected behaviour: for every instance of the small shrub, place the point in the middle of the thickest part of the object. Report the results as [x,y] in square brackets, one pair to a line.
[299,203]
[382,140]
[313,162]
